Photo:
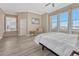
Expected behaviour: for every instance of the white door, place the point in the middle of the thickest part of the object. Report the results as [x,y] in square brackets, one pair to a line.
[22,26]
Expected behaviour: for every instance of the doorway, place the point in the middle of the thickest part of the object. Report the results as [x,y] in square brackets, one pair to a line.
[10,25]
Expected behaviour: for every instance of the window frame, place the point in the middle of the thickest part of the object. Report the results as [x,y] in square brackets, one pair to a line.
[14,16]
[53,29]
[73,30]
[60,29]
[69,10]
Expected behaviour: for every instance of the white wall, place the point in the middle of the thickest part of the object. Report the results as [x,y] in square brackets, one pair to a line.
[45,22]
[1,23]
[30,25]
[22,23]
[25,22]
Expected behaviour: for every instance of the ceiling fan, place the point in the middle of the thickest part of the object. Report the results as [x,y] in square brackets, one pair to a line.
[53,5]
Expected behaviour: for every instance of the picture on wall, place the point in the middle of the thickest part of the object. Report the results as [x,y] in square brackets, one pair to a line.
[35,21]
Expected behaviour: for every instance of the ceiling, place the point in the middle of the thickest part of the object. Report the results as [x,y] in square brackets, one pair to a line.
[38,8]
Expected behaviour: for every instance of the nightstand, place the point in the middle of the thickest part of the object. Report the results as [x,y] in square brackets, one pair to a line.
[33,33]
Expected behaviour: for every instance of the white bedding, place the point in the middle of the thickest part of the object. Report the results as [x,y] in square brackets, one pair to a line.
[61,43]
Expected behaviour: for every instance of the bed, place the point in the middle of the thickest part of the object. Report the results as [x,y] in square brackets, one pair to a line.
[60,43]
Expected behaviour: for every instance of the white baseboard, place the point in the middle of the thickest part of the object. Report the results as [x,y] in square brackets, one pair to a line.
[23,35]
[0,37]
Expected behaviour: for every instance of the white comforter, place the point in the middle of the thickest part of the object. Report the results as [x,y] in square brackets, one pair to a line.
[61,43]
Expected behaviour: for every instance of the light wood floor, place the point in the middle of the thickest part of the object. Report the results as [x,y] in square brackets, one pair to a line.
[21,46]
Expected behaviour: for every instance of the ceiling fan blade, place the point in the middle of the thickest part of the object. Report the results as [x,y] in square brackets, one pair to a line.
[47,4]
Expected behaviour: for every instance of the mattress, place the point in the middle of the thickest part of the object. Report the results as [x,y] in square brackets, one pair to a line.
[61,43]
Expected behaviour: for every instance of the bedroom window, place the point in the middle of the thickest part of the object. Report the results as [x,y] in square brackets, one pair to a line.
[10,24]
[63,21]
[54,22]
[75,19]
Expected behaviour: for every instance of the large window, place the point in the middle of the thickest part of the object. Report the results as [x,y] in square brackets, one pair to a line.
[10,23]
[75,18]
[54,22]
[63,20]
[66,21]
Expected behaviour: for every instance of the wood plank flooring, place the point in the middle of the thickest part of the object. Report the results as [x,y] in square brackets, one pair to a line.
[21,46]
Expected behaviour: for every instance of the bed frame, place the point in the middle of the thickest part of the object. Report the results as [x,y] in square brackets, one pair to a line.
[43,46]
[74,52]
